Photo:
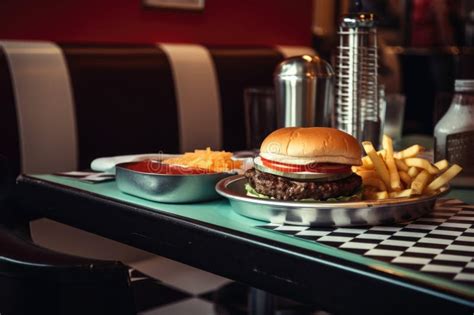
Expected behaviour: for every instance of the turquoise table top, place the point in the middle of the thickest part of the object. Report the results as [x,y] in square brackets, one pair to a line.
[219,213]
[466,195]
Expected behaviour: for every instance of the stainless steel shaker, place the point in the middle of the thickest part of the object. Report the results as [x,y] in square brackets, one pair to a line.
[357,107]
[304,92]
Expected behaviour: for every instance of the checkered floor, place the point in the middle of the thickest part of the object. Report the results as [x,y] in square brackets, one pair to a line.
[440,243]
[162,286]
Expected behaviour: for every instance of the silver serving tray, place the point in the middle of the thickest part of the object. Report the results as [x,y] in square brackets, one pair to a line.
[168,188]
[353,213]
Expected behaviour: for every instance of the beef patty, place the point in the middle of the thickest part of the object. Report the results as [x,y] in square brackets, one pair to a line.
[289,189]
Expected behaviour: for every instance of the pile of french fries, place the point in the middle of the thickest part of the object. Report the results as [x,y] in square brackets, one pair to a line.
[388,174]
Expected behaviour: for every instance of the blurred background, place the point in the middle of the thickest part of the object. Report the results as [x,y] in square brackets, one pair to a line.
[424,44]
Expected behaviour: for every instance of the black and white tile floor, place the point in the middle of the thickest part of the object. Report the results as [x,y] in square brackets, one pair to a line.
[165,287]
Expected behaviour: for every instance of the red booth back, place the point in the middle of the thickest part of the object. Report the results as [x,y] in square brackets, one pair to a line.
[121,99]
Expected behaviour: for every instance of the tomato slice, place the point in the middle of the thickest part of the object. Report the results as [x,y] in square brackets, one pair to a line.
[330,168]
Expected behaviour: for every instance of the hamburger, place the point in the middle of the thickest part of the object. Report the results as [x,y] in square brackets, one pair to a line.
[306,164]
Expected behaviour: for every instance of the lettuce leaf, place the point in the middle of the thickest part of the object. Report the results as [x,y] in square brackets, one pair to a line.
[357,196]
[253,193]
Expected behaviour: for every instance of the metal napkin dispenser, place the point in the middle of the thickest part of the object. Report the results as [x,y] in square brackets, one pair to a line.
[304,88]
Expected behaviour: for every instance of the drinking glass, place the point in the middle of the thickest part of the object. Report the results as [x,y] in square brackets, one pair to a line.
[394,114]
[260,115]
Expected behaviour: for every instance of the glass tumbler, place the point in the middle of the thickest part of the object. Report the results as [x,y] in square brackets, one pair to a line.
[394,114]
[260,115]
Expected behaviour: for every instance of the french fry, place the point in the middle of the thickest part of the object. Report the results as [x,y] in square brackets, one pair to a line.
[379,164]
[375,182]
[401,194]
[367,163]
[401,165]
[382,153]
[381,195]
[405,178]
[442,165]
[444,178]
[376,195]
[413,171]
[419,183]
[392,168]
[409,152]
[366,174]
[422,163]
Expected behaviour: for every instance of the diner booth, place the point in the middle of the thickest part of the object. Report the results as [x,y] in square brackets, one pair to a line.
[85,86]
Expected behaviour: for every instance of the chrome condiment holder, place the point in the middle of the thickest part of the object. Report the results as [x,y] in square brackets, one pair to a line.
[304,88]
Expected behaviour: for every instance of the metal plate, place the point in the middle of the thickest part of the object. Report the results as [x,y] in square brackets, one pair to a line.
[354,213]
[168,188]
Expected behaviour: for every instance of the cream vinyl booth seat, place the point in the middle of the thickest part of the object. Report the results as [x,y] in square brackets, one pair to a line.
[63,105]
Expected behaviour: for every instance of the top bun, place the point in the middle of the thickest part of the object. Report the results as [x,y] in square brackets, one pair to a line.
[311,145]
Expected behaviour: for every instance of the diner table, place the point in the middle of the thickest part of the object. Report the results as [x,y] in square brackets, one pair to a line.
[329,267]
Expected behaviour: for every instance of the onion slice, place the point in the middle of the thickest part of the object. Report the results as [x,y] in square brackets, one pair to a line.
[323,177]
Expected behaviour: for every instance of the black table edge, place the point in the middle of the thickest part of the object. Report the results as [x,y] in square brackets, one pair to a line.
[178,235]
